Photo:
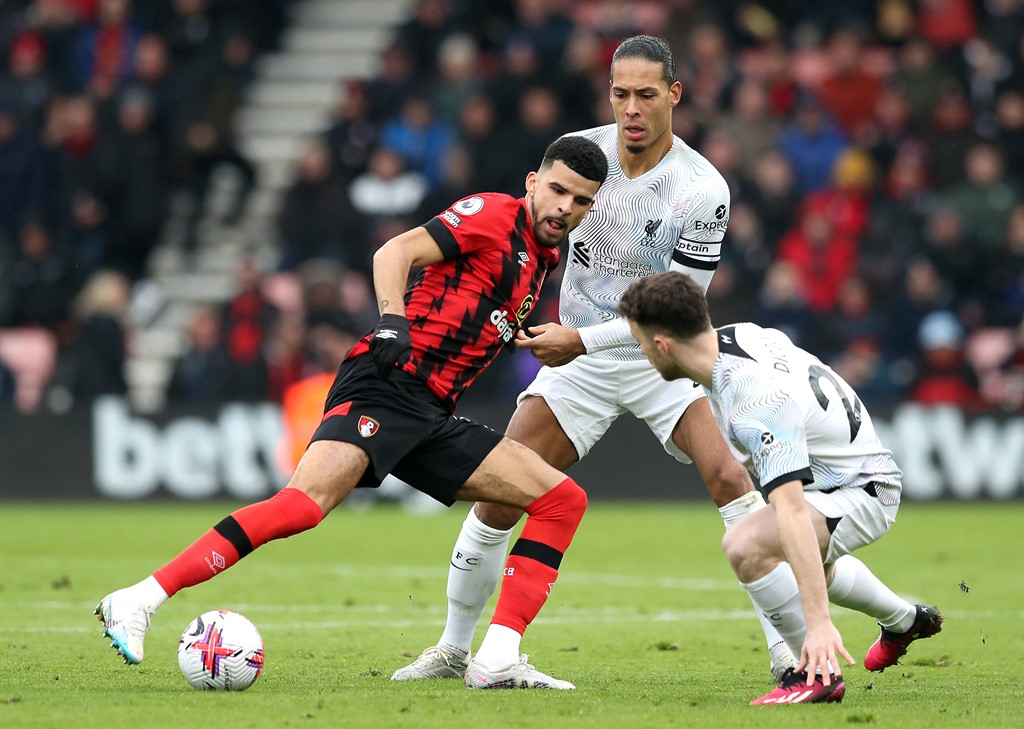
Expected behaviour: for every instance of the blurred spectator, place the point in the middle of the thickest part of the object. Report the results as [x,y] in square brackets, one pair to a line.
[458,80]
[302,404]
[24,188]
[520,69]
[521,146]
[356,302]
[706,71]
[27,82]
[773,195]
[285,355]
[823,255]
[956,255]
[984,199]
[889,127]
[919,78]
[153,76]
[210,134]
[457,184]
[812,142]
[949,135]
[750,125]
[943,375]
[921,292]
[849,92]
[321,292]
[846,200]
[853,319]
[478,134]
[247,319]
[42,281]
[431,22]
[583,80]
[987,69]
[316,218]
[393,85]
[781,304]
[191,40]
[131,167]
[387,188]
[947,24]
[198,374]
[80,210]
[1006,273]
[419,138]
[546,27]
[1010,132]
[99,347]
[352,134]
[106,49]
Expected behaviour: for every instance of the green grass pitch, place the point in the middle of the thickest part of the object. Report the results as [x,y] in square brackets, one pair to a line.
[646,619]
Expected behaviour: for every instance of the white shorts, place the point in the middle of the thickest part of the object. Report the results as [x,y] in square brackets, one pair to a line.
[863,518]
[588,394]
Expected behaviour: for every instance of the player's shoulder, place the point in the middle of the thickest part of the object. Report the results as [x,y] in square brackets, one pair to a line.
[485,204]
[683,159]
[605,137]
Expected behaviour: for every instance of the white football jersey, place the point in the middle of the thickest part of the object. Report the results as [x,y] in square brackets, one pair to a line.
[788,417]
[677,211]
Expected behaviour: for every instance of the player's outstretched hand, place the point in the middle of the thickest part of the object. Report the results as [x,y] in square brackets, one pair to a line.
[552,344]
[390,345]
[822,647]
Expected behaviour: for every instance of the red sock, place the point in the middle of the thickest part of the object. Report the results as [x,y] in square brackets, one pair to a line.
[288,512]
[532,566]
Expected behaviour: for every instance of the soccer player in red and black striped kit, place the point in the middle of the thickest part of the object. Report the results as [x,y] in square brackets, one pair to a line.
[390,409]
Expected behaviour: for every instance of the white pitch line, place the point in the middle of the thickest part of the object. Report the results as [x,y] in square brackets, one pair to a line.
[566,616]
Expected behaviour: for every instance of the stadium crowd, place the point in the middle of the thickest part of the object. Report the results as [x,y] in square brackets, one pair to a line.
[874,150]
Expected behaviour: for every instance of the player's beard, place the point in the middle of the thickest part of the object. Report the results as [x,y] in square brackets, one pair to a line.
[538,232]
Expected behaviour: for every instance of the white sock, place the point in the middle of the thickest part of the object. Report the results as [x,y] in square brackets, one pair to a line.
[477,561]
[854,586]
[777,597]
[150,593]
[733,513]
[500,647]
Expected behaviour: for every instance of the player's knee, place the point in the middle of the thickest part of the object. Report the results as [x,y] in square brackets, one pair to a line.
[740,549]
[497,516]
[576,498]
[566,501]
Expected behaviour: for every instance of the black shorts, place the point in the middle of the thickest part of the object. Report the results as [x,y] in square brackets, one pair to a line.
[404,429]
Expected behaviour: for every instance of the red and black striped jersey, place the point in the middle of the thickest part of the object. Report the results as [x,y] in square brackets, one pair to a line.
[464,309]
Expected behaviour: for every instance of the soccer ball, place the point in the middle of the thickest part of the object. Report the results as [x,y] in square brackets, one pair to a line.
[220,651]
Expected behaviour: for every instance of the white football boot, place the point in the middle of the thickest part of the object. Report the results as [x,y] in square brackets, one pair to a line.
[519,675]
[125,621]
[435,662]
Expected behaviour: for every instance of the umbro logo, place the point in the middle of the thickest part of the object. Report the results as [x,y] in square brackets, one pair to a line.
[725,339]
[386,334]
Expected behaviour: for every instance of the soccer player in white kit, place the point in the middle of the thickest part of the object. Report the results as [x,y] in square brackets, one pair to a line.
[806,438]
[663,206]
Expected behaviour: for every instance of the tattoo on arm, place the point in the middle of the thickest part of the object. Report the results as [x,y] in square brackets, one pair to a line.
[384,305]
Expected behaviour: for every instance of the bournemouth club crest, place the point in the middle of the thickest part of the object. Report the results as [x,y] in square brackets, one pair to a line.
[367,426]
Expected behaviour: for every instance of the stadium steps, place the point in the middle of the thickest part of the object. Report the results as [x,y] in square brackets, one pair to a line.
[297,87]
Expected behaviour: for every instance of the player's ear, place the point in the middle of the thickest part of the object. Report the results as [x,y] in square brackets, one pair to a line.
[675,93]
[531,182]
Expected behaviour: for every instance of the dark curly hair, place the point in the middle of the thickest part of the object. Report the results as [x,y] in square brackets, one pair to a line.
[668,303]
[648,48]
[580,155]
